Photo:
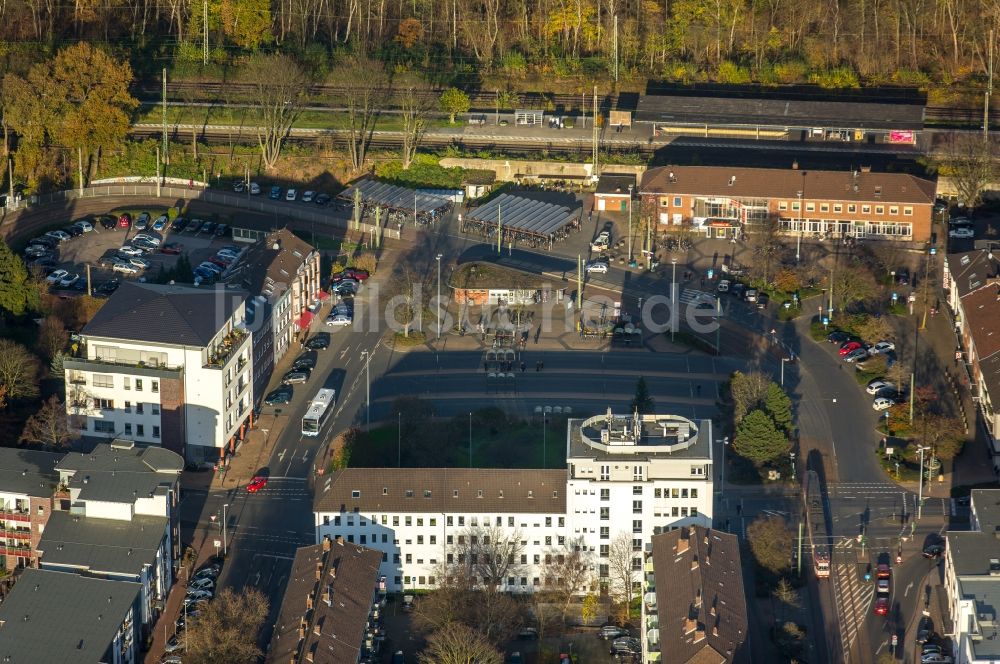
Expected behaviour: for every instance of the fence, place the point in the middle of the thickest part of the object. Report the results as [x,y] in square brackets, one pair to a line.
[227,199]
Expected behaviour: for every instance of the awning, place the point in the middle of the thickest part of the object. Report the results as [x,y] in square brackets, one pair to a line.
[322,295]
[304,320]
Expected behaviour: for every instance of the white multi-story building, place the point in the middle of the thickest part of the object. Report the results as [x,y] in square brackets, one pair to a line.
[632,476]
[167,365]
[972,581]
[626,479]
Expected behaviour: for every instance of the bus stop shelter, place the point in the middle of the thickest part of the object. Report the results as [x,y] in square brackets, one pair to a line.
[528,116]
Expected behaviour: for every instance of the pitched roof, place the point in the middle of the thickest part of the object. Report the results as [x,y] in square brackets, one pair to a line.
[970,270]
[786,183]
[339,584]
[62,618]
[701,606]
[478,490]
[121,472]
[986,506]
[174,315]
[982,318]
[28,472]
[264,270]
[112,546]
[799,114]
[615,183]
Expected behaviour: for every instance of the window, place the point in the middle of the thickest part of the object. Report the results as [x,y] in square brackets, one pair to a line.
[636,507]
[674,511]
[824,207]
[795,205]
[104,380]
[434,522]
[677,201]
[128,428]
[138,408]
[697,470]
[879,209]
[562,521]
[637,544]
[420,539]
[664,202]
[694,493]
[395,521]
[866,209]
[605,513]
[450,521]
[675,493]
[155,408]
[838,207]
[461,521]
[684,493]
[156,431]
[605,532]
[605,473]
[450,558]
[605,494]
[510,522]
[128,406]
[636,564]
[138,385]
[810,207]
[893,210]
[605,550]
[658,493]
[907,212]
[604,571]
[128,383]
[409,558]
[537,559]
[782,205]
[420,523]
[155,386]
[637,491]
[684,511]
[409,520]
[548,522]
[397,579]
[434,539]
[852,208]
[104,426]
[336,520]
[355,493]
[104,404]
[694,511]
[637,526]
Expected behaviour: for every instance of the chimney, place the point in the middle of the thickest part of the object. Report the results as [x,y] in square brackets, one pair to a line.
[682,545]
[699,635]
[333,571]
[715,630]
[795,165]
[326,543]
[319,571]
[302,627]
[694,562]
[732,180]
[276,245]
[673,178]
[690,625]
[340,540]
[309,601]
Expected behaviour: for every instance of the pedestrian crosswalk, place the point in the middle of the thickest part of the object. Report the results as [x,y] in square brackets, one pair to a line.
[853,598]
[696,297]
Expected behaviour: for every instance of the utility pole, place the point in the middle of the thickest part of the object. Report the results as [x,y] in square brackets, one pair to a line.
[579,282]
[79,165]
[616,48]
[89,292]
[157,171]
[437,305]
[920,495]
[204,43]
[166,153]
[989,91]
[596,135]
[798,558]
[583,108]
[499,232]
[10,181]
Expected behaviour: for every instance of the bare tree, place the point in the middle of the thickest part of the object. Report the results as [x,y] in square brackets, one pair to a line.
[747,391]
[493,614]
[968,162]
[491,554]
[52,337]
[365,95]
[567,575]
[764,241]
[278,84]
[459,644]
[413,111]
[408,297]
[18,370]
[620,569]
[225,632]
[49,426]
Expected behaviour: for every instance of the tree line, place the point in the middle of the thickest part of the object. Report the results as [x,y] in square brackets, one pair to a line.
[733,41]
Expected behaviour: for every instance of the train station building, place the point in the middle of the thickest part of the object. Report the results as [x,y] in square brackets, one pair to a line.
[724,201]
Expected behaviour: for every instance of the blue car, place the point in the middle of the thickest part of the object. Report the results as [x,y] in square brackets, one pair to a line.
[275,194]
[205,274]
[160,223]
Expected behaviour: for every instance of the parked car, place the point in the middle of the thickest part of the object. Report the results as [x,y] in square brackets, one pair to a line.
[933,550]
[903,276]
[240,186]
[275,193]
[211,266]
[762,300]
[321,341]
[73,231]
[600,267]
[129,250]
[849,347]
[339,320]
[305,361]
[45,241]
[345,288]
[323,200]
[882,606]
[222,230]
[44,263]
[291,195]
[751,295]
[256,484]
[179,224]
[723,286]
[108,222]
[839,337]
[160,223]
[210,571]
[611,632]
[172,248]
[307,197]
[145,246]
[59,236]
[124,220]
[296,376]
[84,225]
[961,233]
[882,347]
[107,288]
[68,280]
[125,268]
[208,228]
[254,189]
[193,226]
[203,583]
[280,396]
[146,237]
[140,263]
[215,260]
[200,594]
[56,276]
[855,355]
[877,385]
[925,629]
[173,644]
[205,274]
[37,250]
[940,207]
[142,221]
[355,273]
[882,586]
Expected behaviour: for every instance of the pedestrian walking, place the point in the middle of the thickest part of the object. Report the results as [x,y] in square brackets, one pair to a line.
[523,367]
[541,365]
[538,366]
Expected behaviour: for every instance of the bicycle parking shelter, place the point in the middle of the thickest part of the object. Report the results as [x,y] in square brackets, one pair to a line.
[522,220]
[400,199]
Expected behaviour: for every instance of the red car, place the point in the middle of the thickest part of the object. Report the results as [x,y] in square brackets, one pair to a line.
[849,347]
[215,260]
[125,220]
[174,248]
[882,606]
[256,484]
[351,273]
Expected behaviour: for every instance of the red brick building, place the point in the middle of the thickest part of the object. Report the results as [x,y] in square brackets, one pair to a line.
[29,487]
[722,201]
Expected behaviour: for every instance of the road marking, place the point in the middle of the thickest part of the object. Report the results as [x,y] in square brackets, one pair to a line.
[907,591]
[281,455]
[272,555]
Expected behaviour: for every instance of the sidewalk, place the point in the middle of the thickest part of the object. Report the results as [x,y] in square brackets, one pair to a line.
[932,600]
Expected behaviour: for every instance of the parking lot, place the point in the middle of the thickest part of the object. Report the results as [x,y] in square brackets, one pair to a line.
[96,247]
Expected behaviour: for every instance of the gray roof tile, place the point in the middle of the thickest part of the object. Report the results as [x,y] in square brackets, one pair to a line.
[29,472]
[102,545]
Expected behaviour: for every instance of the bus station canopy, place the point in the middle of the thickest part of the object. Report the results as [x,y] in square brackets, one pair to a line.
[394,197]
[525,215]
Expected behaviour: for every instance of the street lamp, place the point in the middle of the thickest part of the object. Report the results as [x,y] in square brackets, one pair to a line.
[630,224]
[920,495]
[798,242]
[673,297]
[783,360]
[225,550]
[544,441]
[722,481]
[791,456]
[438,304]
[368,387]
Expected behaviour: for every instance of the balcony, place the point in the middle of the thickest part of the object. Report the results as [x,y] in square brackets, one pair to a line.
[15,549]
[15,515]
[225,349]
[15,534]
[99,365]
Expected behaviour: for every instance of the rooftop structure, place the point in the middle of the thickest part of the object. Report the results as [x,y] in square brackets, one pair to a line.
[524,216]
[694,606]
[327,613]
[102,546]
[612,436]
[394,197]
[120,472]
[61,618]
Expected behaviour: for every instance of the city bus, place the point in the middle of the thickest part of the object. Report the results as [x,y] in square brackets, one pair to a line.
[319,409]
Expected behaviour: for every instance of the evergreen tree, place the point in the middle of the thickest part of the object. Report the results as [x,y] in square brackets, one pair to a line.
[642,401]
[183,272]
[758,439]
[779,407]
[18,294]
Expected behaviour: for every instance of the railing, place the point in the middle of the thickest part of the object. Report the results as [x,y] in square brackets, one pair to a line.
[16,534]
[255,203]
[226,349]
[118,363]
[15,515]
[14,549]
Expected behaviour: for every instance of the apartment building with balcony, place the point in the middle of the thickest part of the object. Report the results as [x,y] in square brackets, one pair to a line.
[726,202]
[165,365]
[425,521]
[52,617]
[972,582]
[694,606]
[633,476]
[331,609]
[29,492]
[282,273]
